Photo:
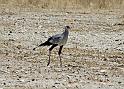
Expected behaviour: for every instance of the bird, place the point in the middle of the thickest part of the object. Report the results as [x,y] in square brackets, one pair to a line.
[56,40]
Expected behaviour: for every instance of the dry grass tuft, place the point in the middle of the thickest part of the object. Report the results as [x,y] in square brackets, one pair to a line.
[65,4]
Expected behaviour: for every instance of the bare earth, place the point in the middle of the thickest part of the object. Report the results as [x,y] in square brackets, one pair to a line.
[93,58]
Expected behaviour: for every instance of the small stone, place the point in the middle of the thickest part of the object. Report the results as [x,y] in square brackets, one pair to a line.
[119,82]
[35,32]
[8,67]
[101,80]
[19,46]
[22,80]
[53,86]
[11,40]
[117,40]
[103,71]
[19,76]
[10,32]
[33,79]
[4,83]
[57,83]
[7,54]
[105,59]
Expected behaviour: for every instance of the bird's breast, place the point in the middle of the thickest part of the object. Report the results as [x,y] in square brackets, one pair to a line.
[63,41]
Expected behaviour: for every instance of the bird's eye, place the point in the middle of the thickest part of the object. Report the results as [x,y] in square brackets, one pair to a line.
[68,27]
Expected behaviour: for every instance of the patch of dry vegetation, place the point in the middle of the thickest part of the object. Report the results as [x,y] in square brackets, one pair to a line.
[65,4]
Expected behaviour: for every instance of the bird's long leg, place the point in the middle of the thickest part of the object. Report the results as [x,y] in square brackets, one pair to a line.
[50,49]
[60,49]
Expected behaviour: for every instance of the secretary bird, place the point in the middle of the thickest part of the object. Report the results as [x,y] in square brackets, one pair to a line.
[56,40]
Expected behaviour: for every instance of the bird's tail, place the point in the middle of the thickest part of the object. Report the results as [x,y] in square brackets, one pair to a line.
[47,43]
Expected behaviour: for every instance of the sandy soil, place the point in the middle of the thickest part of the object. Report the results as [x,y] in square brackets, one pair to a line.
[93,58]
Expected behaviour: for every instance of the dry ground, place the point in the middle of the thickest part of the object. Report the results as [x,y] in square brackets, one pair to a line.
[93,58]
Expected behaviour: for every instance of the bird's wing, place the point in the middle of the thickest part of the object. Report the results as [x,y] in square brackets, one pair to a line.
[56,38]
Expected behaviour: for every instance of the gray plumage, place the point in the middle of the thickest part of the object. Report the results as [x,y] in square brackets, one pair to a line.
[57,40]
[60,39]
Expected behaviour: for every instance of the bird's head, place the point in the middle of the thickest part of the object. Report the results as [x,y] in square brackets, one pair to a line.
[67,27]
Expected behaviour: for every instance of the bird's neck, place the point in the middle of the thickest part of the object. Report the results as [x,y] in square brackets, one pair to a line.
[66,32]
